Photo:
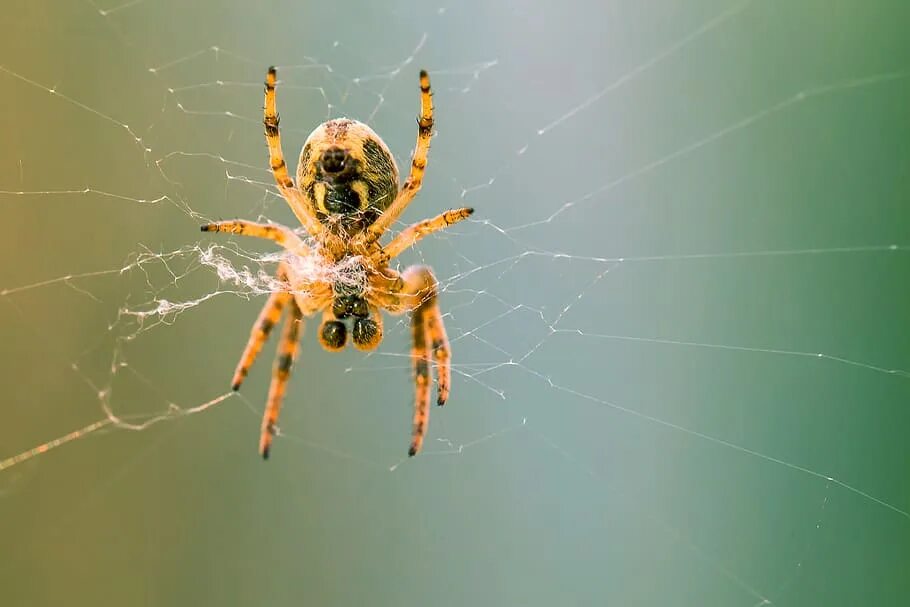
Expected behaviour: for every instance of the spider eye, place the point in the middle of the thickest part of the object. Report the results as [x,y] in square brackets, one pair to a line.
[333,160]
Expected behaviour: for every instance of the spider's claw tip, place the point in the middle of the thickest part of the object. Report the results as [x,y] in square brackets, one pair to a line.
[265,452]
[423,74]
[412,451]
[469,210]
[235,387]
[440,401]
[205,228]
[272,70]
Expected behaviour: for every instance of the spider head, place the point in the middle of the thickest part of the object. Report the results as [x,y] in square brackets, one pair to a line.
[347,173]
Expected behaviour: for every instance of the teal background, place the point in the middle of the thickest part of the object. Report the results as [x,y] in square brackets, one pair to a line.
[639,416]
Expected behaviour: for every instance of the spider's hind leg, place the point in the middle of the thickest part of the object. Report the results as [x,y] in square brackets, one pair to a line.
[414,181]
[289,192]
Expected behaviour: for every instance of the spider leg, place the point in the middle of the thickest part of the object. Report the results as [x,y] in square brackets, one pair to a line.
[416,290]
[441,351]
[418,165]
[268,318]
[302,210]
[415,232]
[287,352]
[420,357]
[279,234]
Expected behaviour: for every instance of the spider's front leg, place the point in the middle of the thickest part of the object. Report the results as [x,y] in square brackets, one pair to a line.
[287,352]
[417,291]
[269,317]
[299,305]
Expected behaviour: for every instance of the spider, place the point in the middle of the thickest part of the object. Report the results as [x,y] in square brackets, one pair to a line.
[346,197]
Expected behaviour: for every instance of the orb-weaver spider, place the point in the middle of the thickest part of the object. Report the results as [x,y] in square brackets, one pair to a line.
[346,197]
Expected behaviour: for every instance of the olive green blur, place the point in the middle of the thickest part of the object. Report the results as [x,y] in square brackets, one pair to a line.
[680,314]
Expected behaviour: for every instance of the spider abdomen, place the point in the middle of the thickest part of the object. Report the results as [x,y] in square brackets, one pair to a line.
[347,174]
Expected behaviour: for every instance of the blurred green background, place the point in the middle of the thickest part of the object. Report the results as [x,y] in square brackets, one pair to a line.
[651,431]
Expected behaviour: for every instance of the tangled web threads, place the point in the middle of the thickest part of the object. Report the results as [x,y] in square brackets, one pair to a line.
[239,272]
[346,274]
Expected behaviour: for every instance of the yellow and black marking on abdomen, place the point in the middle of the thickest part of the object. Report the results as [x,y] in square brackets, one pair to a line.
[347,173]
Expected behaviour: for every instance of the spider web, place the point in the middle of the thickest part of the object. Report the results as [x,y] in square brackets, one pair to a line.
[678,316]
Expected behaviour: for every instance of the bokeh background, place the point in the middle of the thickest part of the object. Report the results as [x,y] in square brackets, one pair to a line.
[679,316]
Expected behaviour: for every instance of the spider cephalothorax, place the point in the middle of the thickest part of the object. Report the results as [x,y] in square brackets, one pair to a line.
[346,197]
